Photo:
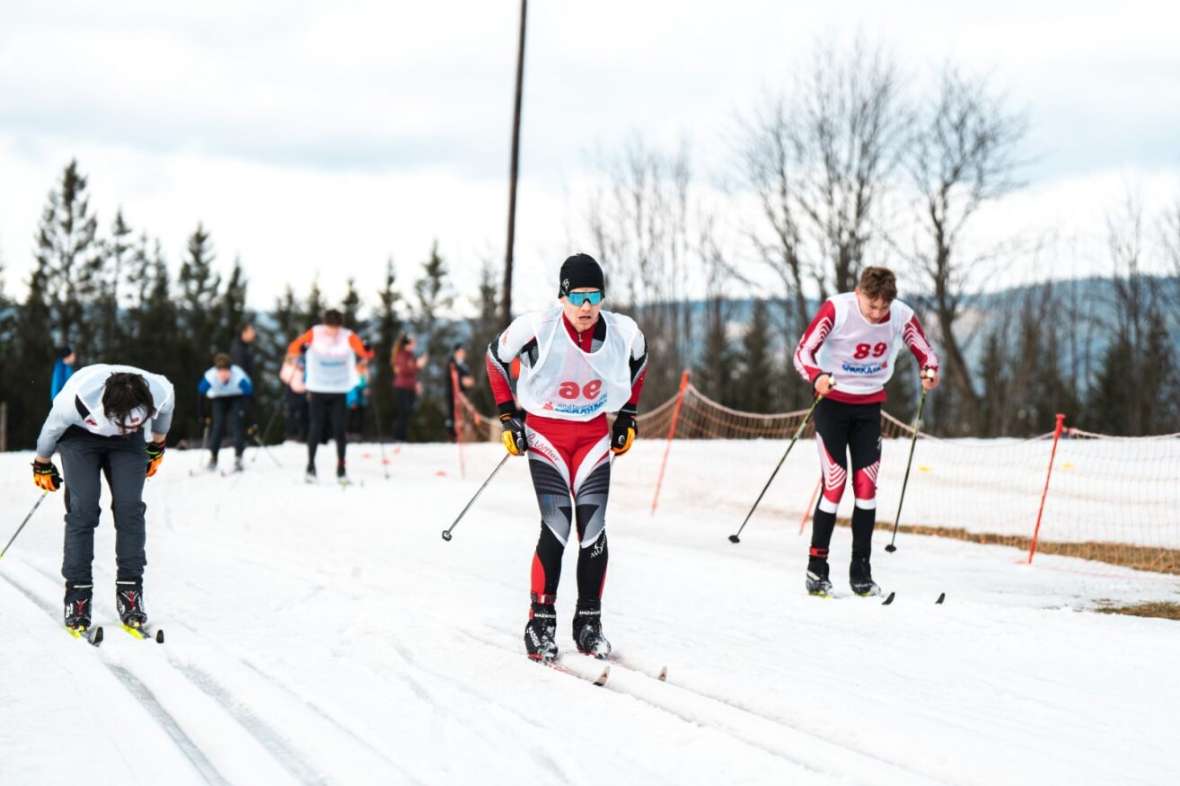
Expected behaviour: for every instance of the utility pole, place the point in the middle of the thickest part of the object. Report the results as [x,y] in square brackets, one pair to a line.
[506,297]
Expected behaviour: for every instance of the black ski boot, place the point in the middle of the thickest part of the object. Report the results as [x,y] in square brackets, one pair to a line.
[129,601]
[309,476]
[77,603]
[238,464]
[212,465]
[817,578]
[860,577]
[341,473]
[540,633]
[588,629]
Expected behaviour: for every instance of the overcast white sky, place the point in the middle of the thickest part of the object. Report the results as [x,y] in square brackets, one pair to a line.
[321,139]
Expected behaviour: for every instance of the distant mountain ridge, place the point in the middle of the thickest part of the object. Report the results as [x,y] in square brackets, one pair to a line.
[1093,298]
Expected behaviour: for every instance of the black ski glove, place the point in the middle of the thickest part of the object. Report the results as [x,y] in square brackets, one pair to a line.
[624,433]
[515,442]
[45,476]
[155,455]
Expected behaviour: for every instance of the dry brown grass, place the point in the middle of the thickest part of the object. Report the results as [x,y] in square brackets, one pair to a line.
[1161,609]
[1158,560]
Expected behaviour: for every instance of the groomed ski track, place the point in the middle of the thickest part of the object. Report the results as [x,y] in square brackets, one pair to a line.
[320,637]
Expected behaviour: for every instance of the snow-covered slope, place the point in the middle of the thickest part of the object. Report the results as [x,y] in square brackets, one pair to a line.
[321,635]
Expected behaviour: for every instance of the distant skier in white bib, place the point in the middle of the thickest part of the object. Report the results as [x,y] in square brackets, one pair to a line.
[98,423]
[227,388]
[578,362]
[330,353]
[847,354]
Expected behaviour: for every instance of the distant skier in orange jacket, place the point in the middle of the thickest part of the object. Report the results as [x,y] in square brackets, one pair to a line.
[330,353]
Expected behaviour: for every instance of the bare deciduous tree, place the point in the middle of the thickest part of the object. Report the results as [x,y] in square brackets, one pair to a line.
[850,136]
[962,156]
[639,223]
[1133,293]
[818,160]
[771,168]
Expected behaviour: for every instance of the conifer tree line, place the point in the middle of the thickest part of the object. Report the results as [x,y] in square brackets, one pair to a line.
[106,291]
[1056,347]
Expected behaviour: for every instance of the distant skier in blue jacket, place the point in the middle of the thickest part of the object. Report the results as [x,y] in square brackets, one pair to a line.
[228,389]
[63,369]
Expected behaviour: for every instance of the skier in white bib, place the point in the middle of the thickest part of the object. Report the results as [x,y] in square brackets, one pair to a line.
[578,363]
[228,389]
[847,355]
[98,424]
[330,353]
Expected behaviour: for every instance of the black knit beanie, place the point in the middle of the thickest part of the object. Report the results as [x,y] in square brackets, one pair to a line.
[578,272]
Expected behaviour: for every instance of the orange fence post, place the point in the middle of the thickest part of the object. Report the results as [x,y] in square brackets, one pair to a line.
[455,410]
[671,433]
[1045,493]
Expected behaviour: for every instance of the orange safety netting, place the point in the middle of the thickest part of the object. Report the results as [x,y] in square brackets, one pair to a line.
[1113,499]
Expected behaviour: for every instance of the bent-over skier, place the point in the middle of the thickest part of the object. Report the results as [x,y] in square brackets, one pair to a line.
[578,362]
[97,424]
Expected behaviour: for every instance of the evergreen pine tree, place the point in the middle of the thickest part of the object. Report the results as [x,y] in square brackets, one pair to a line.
[199,285]
[289,317]
[233,308]
[289,322]
[484,328]
[32,360]
[1109,402]
[992,416]
[435,337]
[159,343]
[8,368]
[198,317]
[313,313]
[120,255]
[716,370]
[67,255]
[758,382]
[387,329]
[350,307]
[1158,379]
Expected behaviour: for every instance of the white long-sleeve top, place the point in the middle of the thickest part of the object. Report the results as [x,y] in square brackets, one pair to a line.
[80,404]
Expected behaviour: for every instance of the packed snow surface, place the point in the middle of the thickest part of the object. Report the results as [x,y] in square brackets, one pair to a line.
[325,635]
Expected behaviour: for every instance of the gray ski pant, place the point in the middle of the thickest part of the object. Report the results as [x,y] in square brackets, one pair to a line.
[123,460]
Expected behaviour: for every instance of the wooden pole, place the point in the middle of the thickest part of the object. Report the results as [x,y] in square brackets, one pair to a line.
[506,296]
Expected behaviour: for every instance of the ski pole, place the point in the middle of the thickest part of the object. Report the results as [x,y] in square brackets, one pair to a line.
[36,505]
[913,442]
[204,445]
[265,450]
[259,438]
[446,533]
[380,436]
[734,537]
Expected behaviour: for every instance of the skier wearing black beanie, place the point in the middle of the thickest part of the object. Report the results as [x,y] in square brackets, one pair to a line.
[581,271]
[578,362]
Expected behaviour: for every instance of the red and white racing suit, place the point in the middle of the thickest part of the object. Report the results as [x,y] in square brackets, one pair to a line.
[859,355]
[568,383]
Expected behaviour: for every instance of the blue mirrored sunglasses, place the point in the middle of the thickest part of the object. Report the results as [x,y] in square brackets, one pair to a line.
[578,298]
